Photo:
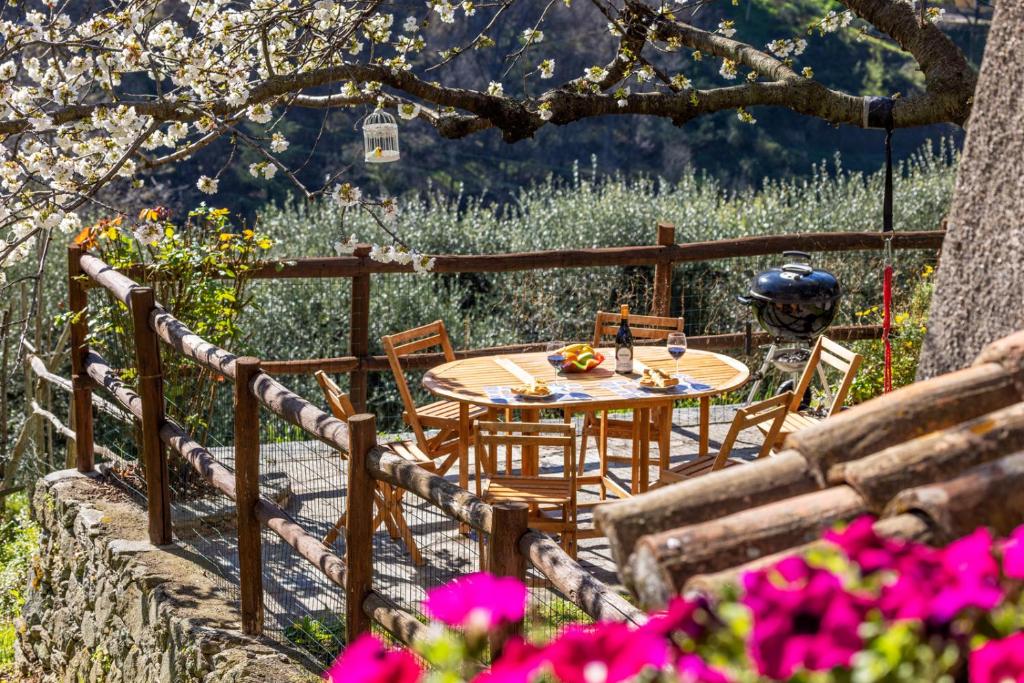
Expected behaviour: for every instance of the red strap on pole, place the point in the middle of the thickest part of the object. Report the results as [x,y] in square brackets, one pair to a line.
[887,326]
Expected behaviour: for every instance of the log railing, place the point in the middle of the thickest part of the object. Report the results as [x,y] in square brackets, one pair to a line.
[663,257]
[512,543]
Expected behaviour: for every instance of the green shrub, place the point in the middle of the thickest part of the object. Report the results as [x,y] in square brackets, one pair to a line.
[19,540]
[321,639]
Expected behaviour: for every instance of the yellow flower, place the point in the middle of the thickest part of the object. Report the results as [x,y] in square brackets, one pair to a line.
[928,270]
[901,318]
[219,213]
[110,233]
[248,234]
[265,243]
[226,237]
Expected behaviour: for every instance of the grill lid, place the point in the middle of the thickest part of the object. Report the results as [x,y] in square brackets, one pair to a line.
[796,283]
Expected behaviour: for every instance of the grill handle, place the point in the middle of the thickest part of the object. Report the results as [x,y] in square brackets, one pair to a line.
[796,254]
[751,297]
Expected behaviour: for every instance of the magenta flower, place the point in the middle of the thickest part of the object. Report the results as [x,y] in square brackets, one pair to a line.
[520,661]
[606,652]
[683,615]
[939,584]
[1013,554]
[872,552]
[998,661]
[478,602]
[692,669]
[368,660]
[803,618]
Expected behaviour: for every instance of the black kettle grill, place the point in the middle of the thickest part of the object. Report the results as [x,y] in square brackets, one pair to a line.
[795,302]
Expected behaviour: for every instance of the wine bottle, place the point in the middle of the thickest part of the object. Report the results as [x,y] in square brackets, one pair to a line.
[624,345]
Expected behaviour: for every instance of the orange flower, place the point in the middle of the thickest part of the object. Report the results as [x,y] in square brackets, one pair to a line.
[87,237]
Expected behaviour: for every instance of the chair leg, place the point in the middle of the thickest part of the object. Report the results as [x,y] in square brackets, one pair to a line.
[387,511]
[587,425]
[403,528]
[508,447]
[602,452]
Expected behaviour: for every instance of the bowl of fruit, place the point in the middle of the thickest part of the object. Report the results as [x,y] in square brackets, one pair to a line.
[578,358]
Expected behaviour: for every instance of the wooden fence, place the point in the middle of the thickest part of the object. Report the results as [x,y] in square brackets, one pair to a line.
[512,544]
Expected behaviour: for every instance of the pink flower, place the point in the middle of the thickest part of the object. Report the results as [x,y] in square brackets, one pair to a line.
[1013,554]
[682,615]
[519,662]
[367,660]
[692,669]
[478,602]
[998,661]
[872,552]
[606,652]
[939,584]
[803,618]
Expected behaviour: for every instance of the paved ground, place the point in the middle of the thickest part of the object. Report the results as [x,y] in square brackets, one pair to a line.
[316,477]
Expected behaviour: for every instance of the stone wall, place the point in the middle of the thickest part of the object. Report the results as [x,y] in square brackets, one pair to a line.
[105,605]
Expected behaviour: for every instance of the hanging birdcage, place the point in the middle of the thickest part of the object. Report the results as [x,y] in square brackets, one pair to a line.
[380,138]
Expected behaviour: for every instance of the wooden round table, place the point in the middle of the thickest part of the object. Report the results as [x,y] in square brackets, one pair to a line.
[486,381]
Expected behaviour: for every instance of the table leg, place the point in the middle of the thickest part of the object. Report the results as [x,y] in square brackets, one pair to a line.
[465,437]
[634,464]
[644,418]
[665,437]
[705,424]
[530,454]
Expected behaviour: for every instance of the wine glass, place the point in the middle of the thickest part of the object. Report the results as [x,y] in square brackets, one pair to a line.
[676,343]
[555,355]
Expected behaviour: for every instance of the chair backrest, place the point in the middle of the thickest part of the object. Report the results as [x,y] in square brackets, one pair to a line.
[826,353]
[771,410]
[337,399]
[490,435]
[408,343]
[606,324]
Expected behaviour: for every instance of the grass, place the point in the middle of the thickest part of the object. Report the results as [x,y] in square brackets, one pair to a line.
[19,540]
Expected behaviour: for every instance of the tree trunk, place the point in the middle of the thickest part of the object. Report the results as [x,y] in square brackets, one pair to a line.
[980,283]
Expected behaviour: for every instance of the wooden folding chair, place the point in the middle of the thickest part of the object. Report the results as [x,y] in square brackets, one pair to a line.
[648,327]
[387,498]
[551,499]
[770,412]
[825,354]
[440,415]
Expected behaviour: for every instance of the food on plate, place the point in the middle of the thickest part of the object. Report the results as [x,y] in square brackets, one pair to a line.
[538,388]
[580,358]
[657,378]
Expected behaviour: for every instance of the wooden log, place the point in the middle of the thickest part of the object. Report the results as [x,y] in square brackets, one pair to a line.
[296,410]
[304,544]
[936,457]
[904,414]
[70,435]
[81,397]
[662,304]
[247,494]
[113,281]
[359,338]
[759,245]
[579,586]
[98,369]
[508,525]
[308,366]
[663,563]
[200,458]
[151,394]
[405,627]
[176,334]
[359,523]
[689,502]
[39,369]
[909,526]
[1008,352]
[989,495]
[456,502]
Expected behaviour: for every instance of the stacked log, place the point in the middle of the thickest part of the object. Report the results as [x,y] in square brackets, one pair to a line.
[935,459]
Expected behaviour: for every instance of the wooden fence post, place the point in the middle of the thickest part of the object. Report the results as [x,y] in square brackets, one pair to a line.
[142,302]
[662,304]
[247,493]
[508,525]
[359,332]
[81,386]
[359,525]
